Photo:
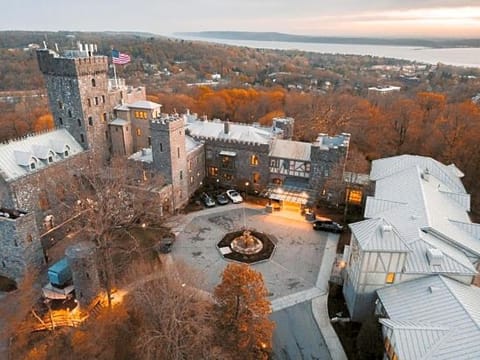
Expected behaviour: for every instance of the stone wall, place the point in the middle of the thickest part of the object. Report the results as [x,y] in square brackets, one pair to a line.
[20,245]
[195,169]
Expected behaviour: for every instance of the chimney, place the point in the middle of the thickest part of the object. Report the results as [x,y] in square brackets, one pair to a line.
[226,127]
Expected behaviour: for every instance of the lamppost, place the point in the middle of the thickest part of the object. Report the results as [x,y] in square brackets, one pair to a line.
[246,186]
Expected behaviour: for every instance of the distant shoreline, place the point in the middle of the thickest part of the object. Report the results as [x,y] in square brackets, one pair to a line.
[280,37]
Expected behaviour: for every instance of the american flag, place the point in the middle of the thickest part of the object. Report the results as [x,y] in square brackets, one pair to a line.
[120,58]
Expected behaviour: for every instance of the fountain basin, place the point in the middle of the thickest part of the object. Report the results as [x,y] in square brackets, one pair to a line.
[247,246]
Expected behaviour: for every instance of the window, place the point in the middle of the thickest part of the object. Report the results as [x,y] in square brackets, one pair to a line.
[256,177]
[3,264]
[82,138]
[273,163]
[190,166]
[121,94]
[254,160]
[79,122]
[228,162]
[355,197]
[96,100]
[139,132]
[228,177]
[181,175]
[60,120]
[178,152]
[50,159]
[15,242]
[89,102]
[325,173]
[90,120]
[94,83]
[32,166]
[209,154]
[191,179]
[104,117]
[65,153]
[60,105]
[390,278]
[149,141]
[69,113]
[212,171]
[161,147]
[103,99]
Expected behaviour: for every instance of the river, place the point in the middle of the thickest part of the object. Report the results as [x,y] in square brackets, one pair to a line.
[468,57]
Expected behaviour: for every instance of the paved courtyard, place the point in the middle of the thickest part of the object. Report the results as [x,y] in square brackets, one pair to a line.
[296,275]
[292,269]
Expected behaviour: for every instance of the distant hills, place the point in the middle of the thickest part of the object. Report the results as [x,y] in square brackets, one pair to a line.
[275,36]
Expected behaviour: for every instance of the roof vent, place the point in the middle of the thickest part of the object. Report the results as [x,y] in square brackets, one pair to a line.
[433,289]
[434,256]
[426,175]
[386,228]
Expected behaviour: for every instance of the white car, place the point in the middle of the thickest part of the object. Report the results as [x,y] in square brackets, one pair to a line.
[234,196]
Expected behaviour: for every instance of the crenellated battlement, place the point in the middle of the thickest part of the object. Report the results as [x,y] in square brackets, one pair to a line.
[51,63]
[230,142]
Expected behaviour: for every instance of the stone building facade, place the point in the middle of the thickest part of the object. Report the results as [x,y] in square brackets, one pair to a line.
[97,118]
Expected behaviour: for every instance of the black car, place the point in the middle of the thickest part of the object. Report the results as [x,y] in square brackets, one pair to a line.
[327,225]
[207,200]
[221,199]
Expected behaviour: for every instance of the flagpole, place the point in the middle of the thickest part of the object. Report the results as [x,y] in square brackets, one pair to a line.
[115,74]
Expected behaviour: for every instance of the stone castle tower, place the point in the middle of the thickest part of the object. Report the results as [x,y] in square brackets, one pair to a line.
[77,85]
[82,260]
[170,156]
[20,244]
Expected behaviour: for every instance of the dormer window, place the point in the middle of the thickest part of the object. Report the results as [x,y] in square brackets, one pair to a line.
[32,166]
[50,159]
[65,153]
[94,83]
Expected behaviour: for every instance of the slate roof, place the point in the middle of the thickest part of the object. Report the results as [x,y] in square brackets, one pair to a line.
[237,132]
[16,156]
[144,104]
[433,317]
[294,150]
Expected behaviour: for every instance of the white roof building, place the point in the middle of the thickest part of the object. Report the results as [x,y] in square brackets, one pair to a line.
[433,317]
[426,295]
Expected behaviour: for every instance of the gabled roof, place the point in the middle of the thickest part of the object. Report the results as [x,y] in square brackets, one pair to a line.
[414,340]
[17,156]
[441,302]
[294,150]
[449,175]
[422,207]
[378,235]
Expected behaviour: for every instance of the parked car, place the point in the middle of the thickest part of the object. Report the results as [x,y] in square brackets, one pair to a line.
[327,225]
[234,196]
[221,199]
[207,200]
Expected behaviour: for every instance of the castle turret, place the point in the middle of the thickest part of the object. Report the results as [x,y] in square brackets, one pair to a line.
[170,156]
[77,85]
[20,244]
[82,260]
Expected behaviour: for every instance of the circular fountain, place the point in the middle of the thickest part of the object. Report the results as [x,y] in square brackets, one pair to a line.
[246,243]
[247,246]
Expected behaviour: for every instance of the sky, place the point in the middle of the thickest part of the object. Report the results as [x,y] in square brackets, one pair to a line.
[370,18]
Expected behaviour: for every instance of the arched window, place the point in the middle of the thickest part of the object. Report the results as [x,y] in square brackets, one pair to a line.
[79,122]
[94,83]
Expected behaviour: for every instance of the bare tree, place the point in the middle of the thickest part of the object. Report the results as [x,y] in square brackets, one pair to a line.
[174,319]
[114,199]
